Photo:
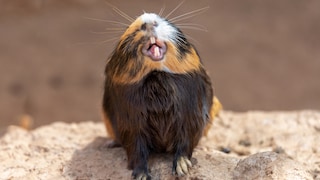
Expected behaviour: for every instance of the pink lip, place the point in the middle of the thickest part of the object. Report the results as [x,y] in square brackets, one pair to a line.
[155,50]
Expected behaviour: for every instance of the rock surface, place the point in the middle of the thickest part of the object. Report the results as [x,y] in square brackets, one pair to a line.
[252,145]
[269,165]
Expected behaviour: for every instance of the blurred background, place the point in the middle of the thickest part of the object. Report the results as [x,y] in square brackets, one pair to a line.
[261,55]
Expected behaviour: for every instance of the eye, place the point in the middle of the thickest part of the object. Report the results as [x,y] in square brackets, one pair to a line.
[144,26]
[155,24]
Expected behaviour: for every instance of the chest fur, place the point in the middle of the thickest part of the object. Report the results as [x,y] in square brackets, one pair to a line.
[161,107]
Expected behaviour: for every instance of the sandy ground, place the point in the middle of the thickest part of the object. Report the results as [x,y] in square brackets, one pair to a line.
[261,55]
[252,145]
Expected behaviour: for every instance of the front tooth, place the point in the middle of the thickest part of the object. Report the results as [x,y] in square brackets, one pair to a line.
[152,40]
[157,52]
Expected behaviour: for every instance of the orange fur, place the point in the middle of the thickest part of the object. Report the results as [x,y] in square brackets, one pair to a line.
[135,25]
[190,63]
[108,125]
[126,78]
[216,108]
[138,36]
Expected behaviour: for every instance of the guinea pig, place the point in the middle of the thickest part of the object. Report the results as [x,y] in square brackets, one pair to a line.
[158,97]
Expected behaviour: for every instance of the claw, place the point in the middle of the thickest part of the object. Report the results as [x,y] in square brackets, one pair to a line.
[142,176]
[111,144]
[183,165]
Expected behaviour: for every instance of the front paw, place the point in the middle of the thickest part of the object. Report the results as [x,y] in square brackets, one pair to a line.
[111,144]
[141,176]
[181,167]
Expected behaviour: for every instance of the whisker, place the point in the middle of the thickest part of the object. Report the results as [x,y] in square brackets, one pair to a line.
[189,14]
[174,9]
[108,21]
[178,42]
[192,26]
[191,38]
[181,39]
[81,43]
[97,43]
[124,15]
[162,10]
[114,29]
[108,40]
[105,32]
[121,13]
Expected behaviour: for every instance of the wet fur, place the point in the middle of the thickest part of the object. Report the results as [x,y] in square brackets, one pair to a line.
[151,110]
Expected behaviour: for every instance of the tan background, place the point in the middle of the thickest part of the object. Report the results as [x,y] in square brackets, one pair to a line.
[261,55]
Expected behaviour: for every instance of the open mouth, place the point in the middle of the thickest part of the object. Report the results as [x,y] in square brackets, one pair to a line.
[155,49]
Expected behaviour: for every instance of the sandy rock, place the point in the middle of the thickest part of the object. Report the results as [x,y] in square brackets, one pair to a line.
[98,162]
[270,165]
[78,151]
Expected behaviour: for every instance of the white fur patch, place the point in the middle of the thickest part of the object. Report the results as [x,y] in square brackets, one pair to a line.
[164,30]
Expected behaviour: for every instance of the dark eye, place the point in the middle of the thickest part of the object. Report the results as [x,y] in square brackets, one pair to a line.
[155,24]
[144,26]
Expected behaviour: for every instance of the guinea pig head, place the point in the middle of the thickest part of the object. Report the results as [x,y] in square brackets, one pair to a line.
[153,43]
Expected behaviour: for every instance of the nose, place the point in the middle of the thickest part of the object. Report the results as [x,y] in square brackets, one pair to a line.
[149,26]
